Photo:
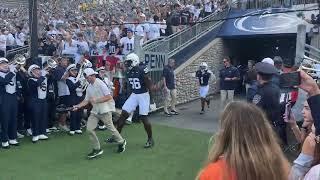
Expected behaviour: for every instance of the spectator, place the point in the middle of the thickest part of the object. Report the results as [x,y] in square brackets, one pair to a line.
[251,76]
[245,148]
[154,32]
[20,37]
[175,19]
[10,40]
[127,43]
[169,87]
[228,80]
[207,7]
[3,43]
[302,133]
[309,155]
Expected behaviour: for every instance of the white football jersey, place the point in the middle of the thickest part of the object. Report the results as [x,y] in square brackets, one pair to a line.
[127,44]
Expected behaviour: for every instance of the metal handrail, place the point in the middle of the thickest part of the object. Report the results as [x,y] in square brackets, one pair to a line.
[19,50]
[176,42]
[261,4]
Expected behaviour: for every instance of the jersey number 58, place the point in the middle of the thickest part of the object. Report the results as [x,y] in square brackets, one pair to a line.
[135,83]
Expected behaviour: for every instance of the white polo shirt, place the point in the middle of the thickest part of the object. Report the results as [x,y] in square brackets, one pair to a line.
[97,90]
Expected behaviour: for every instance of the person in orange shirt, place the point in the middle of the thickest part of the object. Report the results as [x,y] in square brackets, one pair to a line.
[245,148]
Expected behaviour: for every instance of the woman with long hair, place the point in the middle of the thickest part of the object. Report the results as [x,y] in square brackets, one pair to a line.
[245,148]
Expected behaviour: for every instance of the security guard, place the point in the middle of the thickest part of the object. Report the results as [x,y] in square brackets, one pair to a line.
[8,104]
[268,94]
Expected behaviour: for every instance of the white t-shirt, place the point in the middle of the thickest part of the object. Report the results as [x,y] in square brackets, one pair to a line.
[208,7]
[128,45]
[101,46]
[10,40]
[3,42]
[139,30]
[20,38]
[115,31]
[84,45]
[70,49]
[154,31]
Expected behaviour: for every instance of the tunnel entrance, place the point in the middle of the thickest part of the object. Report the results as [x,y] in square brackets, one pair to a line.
[242,49]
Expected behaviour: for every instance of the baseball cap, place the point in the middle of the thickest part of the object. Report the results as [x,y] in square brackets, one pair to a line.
[265,68]
[129,30]
[89,72]
[268,60]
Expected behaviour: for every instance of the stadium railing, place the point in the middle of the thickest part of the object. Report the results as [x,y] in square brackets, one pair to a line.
[261,4]
[175,42]
[19,50]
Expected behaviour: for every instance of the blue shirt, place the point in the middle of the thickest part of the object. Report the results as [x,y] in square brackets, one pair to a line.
[168,74]
[229,72]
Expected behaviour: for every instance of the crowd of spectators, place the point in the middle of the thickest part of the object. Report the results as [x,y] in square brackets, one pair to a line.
[91,26]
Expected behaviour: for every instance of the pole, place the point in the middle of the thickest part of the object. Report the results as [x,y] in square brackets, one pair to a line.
[300,44]
[33,23]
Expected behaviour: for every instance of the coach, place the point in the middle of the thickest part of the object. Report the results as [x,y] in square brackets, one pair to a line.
[229,77]
[169,86]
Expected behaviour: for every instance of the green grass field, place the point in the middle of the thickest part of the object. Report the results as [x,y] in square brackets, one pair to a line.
[178,155]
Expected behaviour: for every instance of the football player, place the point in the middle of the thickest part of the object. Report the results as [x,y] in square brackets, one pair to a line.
[141,86]
[203,75]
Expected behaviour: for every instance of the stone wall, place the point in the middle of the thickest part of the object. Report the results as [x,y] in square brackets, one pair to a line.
[187,84]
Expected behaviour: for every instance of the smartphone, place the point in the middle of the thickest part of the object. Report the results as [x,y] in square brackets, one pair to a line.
[290,80]
[287,113]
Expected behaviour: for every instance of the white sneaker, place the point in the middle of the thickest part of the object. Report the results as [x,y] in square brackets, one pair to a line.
[43,137]
[48,131]
[53,128]
[64,127]
[13,142]
[71,133]
[20,136]
[78,131]
[5,145]
[102,127]
[35,139]
[29,132]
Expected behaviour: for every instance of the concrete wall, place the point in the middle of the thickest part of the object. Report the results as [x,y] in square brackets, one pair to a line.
[187,84]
